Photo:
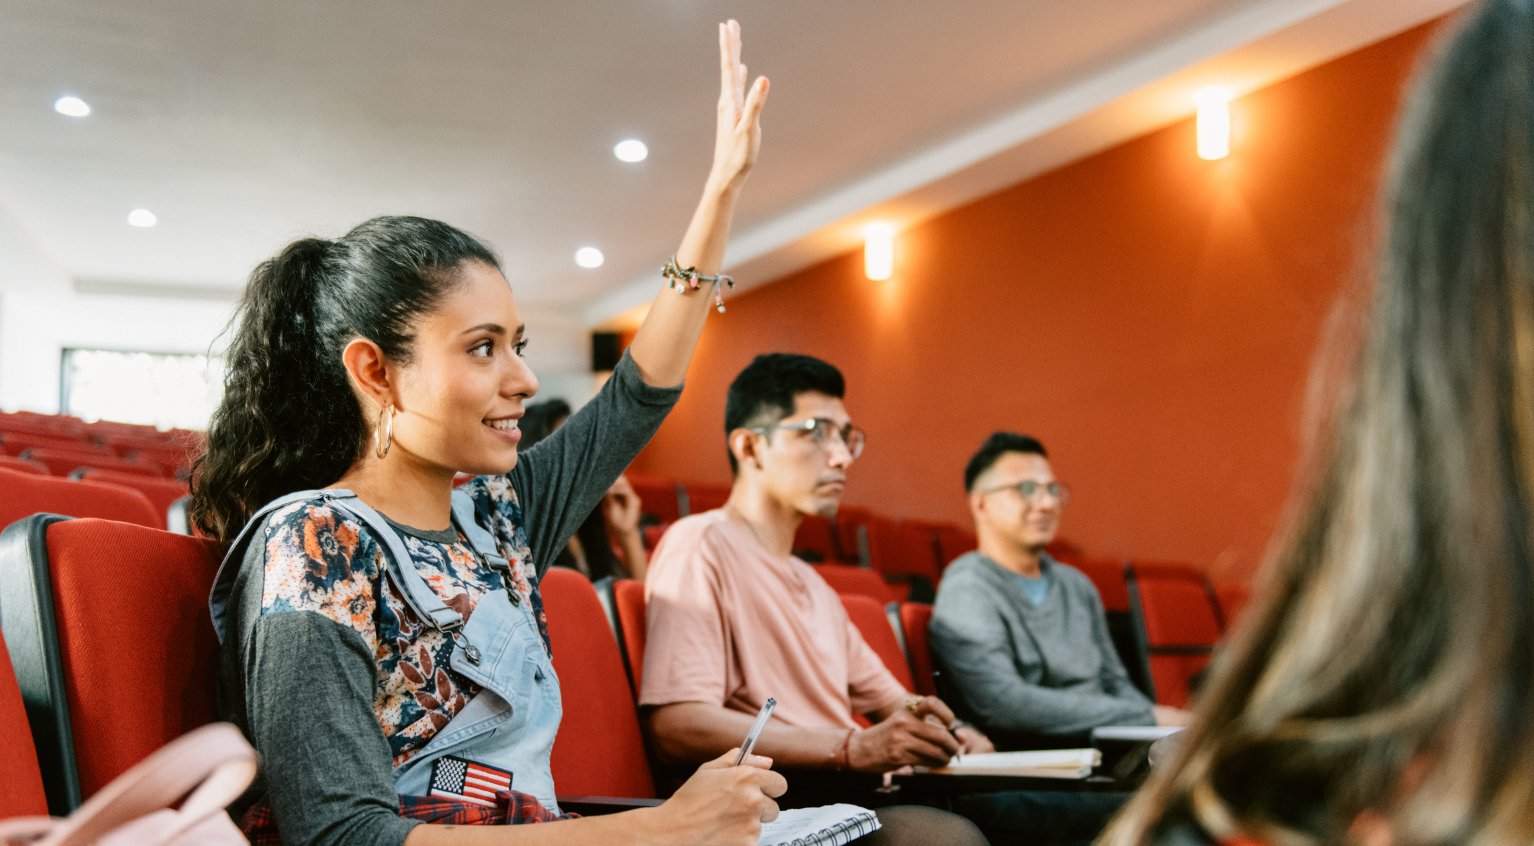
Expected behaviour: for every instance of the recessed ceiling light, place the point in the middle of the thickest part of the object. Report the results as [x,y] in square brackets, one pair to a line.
[631,150]
[142,218]
[72,106]
[589,257]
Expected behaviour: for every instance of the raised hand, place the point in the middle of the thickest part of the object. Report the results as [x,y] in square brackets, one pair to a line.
[738,135]
[622,507]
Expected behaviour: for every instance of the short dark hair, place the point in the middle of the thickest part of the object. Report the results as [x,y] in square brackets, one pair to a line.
[764,392]
[997,445]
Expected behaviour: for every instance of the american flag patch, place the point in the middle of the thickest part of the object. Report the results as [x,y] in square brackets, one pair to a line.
[459,778]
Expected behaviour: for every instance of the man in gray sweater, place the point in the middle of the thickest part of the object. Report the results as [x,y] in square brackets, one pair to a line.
[1023,637]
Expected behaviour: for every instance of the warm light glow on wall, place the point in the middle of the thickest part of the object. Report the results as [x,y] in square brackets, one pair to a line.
[1213,123]
[879,251]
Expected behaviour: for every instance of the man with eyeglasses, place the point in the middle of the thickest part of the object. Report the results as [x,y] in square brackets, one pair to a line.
[735,618]
[1022,637]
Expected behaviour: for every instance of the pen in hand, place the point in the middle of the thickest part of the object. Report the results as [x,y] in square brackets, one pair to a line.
[756,729]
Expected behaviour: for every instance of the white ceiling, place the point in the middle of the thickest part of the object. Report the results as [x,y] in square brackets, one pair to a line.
[245,124]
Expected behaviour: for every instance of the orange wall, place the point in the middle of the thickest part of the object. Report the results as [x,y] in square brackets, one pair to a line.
[1150,316]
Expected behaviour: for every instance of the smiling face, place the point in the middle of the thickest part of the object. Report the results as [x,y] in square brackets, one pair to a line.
[1001,511]
[461,395]
[792,468]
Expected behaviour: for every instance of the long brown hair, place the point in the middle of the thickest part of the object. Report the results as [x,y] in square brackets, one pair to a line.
[1386,671]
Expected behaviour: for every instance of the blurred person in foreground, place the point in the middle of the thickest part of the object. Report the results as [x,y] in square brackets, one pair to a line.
[1379,691]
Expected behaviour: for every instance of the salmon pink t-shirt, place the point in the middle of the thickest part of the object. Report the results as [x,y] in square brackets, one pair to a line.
[731,624]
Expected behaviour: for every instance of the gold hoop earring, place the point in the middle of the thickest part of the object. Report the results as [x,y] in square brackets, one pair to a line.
[382,445]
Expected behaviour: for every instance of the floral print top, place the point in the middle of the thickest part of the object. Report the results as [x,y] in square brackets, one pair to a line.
[321,559]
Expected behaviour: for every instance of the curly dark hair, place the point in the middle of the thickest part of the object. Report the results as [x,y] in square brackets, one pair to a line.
[289,420]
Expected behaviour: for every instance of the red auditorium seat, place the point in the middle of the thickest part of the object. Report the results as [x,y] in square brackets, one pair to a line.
[161,492]
[1232,598]
[952,540]
[848,579]
[62,462]
[21,787]
[813,541]
[659,499]
[1107,575]
[51,425]
[915,619]
[652,535]
[25,494]
[868,615]
[13,443]
[22,465]
[630,626]
[897,547]
[599,750]
[112,641]
[1176,610]
[846,532]
[701,498]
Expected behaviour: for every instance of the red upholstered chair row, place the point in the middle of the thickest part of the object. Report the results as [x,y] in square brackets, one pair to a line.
[847,579]
[62,462]
[107,625]
[25,494]
[162,492]
[602,752]
[21,782]
[660,499]
[869,616]
[22,465]
[15,443]
[1177,612]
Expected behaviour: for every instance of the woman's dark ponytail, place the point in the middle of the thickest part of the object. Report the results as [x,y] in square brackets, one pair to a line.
[288,420]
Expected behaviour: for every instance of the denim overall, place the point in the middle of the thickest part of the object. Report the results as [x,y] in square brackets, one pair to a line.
[510,724]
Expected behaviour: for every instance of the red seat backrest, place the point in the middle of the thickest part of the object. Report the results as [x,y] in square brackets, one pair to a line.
[599,750]
[868,615]
[653,533]
[629,605]
[1107,575]
[915,620]
[845,579]
[845,530]
[1233,598]
[25,494]
[22,465]
[814,537]
[21,782]
[139,654]
[161,492]
[15,443]
[1181,624]
[62,462]
[952,540]
[657,497]
[701,498]
[895,547]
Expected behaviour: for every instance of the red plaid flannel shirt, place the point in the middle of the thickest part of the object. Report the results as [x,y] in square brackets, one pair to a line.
[511,808]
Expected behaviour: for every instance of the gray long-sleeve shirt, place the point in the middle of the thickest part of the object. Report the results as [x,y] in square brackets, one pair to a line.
[305,684]
[1021,669]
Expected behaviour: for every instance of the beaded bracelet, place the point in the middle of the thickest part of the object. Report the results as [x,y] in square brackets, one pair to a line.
[685,279]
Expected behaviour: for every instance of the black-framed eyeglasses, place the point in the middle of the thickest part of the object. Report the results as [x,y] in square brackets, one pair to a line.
[823,431]
[1029,489]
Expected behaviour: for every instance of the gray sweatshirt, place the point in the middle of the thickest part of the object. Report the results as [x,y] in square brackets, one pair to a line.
[1021,669]
[303,686]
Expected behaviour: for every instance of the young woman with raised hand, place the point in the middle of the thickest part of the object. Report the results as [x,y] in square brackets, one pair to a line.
[384,641]
[1381,692]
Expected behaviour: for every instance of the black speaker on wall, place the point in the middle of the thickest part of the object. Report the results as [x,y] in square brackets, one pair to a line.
[606,349]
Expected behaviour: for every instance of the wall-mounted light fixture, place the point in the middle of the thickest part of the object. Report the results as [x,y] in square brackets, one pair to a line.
[1213,123]
[879,251]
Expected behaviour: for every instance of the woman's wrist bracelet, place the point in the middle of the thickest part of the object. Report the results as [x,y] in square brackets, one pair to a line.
[684,280]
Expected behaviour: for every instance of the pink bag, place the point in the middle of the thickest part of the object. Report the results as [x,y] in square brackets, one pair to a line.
[213,764]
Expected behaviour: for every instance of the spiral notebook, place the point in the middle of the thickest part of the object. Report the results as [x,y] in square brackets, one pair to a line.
[827,825]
